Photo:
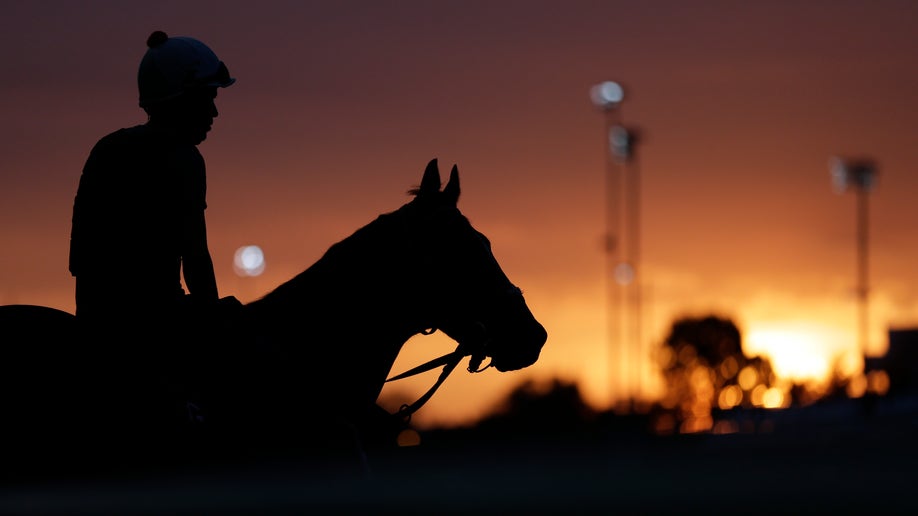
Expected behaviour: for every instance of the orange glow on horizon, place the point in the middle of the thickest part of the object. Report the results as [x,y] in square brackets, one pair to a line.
[803,351]
[323,133]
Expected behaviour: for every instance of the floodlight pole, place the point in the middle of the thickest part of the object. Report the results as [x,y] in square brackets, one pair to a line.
[862,269]
[617,359]
[860,175]
[622,241]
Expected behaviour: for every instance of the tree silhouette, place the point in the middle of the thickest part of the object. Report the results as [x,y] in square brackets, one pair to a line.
[541,408]
[705,370]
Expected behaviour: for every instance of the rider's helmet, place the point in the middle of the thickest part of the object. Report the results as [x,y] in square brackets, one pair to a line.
[173,65]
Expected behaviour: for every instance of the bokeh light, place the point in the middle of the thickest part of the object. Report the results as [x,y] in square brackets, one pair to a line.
[607,95]
[249,260]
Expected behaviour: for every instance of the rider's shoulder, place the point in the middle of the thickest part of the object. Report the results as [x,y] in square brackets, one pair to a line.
[126,136]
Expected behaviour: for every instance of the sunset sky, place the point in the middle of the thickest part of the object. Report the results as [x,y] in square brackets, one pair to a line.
[339,105]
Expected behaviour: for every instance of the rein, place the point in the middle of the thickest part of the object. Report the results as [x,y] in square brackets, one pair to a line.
[477,353]
[449,362]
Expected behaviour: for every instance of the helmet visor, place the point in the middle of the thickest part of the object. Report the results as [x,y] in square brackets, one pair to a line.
[220,79]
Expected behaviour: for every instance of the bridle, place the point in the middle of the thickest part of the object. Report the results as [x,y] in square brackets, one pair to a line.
[476,349]
[449,361]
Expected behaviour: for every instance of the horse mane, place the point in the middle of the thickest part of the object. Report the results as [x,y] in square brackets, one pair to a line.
[323,275]
[334,256]
[377,256]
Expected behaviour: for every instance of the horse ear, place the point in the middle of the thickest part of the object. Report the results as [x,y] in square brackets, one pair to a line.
[430,183]
[451,190]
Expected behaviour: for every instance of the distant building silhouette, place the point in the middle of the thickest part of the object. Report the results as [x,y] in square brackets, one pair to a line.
[900,362]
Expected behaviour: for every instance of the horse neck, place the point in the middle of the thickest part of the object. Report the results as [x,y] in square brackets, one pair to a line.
[360,284]
[335,315]
[322,303]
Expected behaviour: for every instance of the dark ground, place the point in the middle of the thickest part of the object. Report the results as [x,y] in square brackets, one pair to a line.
[842,458]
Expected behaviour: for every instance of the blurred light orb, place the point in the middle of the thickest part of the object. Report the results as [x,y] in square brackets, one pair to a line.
[878,382]
[773,398]
[623,273]
[839,172]
[730,397]
[620,141]
[748,378]
[249,260]
[607,95]
[852,173]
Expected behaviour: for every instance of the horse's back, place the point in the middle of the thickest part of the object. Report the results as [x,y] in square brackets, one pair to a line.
[71,400]
[40,312]
[33,336]
[53,402]
[20,323]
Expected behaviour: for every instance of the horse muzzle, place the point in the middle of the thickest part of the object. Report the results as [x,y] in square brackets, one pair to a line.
[519,350]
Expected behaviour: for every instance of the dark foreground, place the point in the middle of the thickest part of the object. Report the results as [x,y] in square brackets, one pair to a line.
[838,461]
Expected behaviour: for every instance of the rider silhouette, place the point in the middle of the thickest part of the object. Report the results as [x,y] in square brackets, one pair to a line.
[138,222]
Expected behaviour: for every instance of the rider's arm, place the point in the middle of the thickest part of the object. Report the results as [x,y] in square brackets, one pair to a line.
[197,265]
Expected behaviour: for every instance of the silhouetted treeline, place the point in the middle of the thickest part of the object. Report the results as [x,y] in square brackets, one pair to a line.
[710,385]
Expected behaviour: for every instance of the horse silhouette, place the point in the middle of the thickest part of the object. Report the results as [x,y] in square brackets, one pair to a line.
[301,367]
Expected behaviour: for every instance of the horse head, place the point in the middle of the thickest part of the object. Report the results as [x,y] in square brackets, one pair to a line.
[471,298]
[418,268]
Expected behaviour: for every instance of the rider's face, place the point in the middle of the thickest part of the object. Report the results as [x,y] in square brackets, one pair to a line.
[191,115]
[198,112]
